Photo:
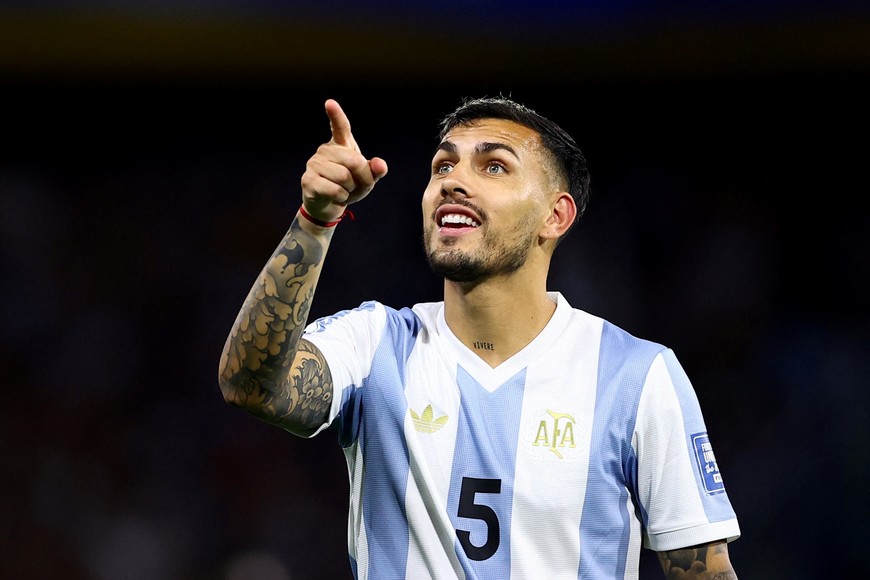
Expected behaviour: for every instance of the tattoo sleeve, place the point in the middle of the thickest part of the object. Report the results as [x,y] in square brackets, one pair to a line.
[704,562]
[266,368]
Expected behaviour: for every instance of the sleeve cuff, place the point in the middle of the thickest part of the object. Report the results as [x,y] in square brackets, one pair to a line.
[727,530]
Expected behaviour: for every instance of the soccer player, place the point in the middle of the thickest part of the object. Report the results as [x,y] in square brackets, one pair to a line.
[499,433]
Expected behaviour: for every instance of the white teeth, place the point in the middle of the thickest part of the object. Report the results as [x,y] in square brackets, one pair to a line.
[455,218]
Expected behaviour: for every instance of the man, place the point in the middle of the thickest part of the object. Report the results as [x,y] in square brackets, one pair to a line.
[500,433]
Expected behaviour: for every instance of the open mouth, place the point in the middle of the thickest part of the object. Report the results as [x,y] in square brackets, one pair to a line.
[452,220]
[456,218]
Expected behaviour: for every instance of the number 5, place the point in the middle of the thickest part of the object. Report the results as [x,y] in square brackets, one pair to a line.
[469,509]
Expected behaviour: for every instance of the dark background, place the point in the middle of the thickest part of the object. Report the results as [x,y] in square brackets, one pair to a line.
[150,158]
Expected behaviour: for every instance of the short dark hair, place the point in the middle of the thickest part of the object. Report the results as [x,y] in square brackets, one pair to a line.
[570,161]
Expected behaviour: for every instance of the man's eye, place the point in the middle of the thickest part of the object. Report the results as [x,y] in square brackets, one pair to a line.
[443,168]
[495,168]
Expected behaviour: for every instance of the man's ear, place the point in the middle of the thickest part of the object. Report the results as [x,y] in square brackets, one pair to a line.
[563,212]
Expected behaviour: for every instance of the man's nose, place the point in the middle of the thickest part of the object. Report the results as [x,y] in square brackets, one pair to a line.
[455,184]
[453,188]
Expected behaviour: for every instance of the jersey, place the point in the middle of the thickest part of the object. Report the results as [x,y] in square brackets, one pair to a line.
[559,463]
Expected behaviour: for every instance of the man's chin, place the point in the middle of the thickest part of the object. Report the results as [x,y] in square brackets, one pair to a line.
[455,268]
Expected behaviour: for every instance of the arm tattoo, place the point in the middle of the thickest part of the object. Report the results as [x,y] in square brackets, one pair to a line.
[704,562]
[310,384]
[256,365]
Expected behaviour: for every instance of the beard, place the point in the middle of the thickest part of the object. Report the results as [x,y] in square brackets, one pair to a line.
[495,256]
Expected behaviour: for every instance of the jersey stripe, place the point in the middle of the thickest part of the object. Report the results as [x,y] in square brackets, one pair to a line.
[385,454]
[484,462]
[604,528]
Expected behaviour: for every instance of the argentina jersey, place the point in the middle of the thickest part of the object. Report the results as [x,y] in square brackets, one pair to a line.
[559,463]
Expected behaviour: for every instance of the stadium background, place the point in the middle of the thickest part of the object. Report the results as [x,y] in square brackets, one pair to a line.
[149,164]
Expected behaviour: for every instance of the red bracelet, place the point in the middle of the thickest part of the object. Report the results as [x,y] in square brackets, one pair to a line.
[322,223]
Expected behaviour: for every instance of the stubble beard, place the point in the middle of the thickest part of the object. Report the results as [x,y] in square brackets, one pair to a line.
[496,256]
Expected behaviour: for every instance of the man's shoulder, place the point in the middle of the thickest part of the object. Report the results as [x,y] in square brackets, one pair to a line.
[612,335]
[421,315]
[429,309]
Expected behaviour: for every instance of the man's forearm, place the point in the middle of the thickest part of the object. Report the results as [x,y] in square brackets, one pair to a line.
[259,351]
[703,562]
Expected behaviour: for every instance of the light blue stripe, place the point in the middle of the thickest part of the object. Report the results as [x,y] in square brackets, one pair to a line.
[379,408]
[716,505]
[486,445]
[604,526]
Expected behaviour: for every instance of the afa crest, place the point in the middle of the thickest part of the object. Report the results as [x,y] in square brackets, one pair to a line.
[555,434]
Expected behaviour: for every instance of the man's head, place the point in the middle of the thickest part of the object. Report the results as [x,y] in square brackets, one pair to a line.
[506,186]
[568,160]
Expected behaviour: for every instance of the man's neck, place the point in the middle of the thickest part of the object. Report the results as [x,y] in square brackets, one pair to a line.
[497,318]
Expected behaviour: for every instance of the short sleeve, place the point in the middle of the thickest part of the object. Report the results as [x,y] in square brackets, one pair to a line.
[348,340]
[679,483]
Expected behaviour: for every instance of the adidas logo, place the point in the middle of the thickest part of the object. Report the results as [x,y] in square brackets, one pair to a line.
[426,423]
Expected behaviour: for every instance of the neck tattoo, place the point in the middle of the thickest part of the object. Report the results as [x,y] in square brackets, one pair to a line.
[483,345]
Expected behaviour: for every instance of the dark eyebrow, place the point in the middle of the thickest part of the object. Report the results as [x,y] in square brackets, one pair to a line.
[488,147]
[484,147]
[446,146]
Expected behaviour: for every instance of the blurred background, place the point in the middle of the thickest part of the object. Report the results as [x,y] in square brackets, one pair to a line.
[150,155]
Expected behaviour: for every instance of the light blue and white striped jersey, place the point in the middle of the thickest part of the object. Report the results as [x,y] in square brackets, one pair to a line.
[559,463]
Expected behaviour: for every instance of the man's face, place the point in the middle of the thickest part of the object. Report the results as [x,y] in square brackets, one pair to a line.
[486,200]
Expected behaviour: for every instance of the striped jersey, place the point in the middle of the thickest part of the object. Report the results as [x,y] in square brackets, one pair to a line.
[559,463]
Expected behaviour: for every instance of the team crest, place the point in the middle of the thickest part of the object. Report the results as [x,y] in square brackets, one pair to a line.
[554,436]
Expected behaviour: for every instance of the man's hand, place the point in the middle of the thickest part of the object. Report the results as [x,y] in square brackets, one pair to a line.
[338,174]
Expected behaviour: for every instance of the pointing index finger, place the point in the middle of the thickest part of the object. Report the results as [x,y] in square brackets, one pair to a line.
[339,124]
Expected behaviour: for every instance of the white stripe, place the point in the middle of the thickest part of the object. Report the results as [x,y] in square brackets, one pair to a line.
[660,420]
[356,521]
[635,540]
[543,546]
[431,551]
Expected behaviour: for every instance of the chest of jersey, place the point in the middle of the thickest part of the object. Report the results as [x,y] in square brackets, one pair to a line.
[488,458]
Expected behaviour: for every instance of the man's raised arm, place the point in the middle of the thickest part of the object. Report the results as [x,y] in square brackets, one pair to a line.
[265,367]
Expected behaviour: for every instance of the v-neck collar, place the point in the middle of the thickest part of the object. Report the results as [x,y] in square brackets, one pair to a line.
[490,378]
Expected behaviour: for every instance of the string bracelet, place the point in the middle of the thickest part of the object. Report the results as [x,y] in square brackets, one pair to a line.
[322,223]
